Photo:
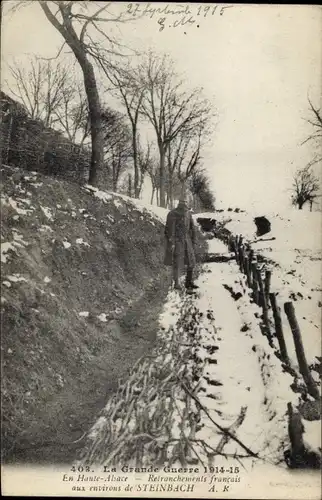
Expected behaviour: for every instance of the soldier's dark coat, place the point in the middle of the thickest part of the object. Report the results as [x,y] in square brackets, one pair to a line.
[180,231]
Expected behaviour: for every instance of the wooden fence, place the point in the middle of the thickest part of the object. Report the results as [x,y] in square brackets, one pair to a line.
[258,277]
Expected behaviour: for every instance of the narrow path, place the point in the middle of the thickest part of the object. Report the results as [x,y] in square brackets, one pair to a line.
[243,383]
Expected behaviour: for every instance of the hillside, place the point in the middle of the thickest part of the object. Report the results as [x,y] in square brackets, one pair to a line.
[82,285]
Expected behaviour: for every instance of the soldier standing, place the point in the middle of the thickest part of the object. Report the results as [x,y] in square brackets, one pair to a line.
[180,237]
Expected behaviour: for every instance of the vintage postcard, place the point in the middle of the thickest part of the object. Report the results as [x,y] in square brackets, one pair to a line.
[161,233]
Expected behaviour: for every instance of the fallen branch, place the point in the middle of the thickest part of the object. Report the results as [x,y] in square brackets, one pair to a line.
[240,419]
[225,431]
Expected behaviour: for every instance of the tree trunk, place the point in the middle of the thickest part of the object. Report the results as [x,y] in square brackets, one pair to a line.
[135,164]
[158,196]
[152,195]
[129,191]
[170,192]
[97,135]
[114,187]
[116,168]
[162,176]
[140,184]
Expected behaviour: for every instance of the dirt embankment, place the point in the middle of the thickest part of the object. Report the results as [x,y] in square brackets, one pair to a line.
[82,286]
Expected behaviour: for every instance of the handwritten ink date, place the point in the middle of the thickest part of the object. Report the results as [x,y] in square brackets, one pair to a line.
[175,15]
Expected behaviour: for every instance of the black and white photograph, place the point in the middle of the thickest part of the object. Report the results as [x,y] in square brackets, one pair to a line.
[161,236]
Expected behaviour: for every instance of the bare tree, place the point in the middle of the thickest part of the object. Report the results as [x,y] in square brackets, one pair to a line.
[203,197]
[78,22]
[153,171]
[184,153]
[145,162]
[40,87]
[117,144]
[72,116]
[131,95]
[305,187]
[168,107]
[183,157]
[316,122]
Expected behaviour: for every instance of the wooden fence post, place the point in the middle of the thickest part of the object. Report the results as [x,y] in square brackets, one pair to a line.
[231,247]
[263,301]
[300,353]
[241,257]
[279,327]
[295,431]
[268,276]
[260,284]
[250,260]
[247,271]
[236,243]
[255,285]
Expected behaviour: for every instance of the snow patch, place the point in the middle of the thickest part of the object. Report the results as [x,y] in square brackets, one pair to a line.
[66,244]
[102,195]
[15,278]
[118,204]
[97,427]
[48,212]
[312,434]
[6,246]
[102,317]
[43,228]
[80,241]
[19,210]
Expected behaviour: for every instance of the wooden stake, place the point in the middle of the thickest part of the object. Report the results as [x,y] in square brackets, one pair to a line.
[236,242]
[295,431]
[255,285]
[250,260]
[263,302]
[247,271]
[300,353]
[260,284]
[279,327]
[268,276]
[241,257]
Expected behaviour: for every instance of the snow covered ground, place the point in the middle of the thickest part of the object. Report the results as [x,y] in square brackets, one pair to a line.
[294,248]
[239,386]
[242,377]
[243,387]
[155,211]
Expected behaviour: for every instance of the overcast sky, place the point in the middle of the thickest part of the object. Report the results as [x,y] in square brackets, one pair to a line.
[256,63]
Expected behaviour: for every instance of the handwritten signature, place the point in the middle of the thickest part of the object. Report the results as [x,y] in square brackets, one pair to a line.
[176,14]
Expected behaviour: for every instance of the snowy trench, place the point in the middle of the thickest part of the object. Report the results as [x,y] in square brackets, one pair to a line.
[218,390]
[243,385]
